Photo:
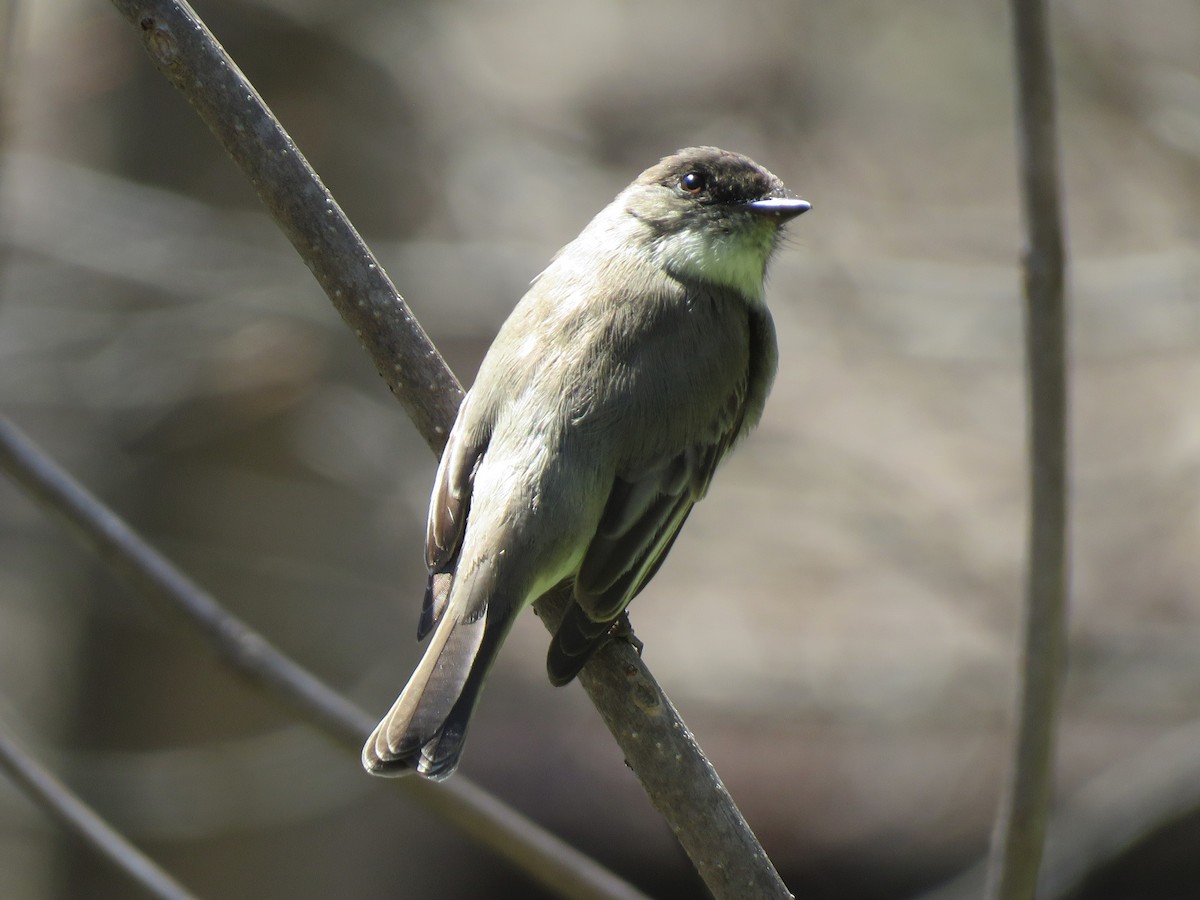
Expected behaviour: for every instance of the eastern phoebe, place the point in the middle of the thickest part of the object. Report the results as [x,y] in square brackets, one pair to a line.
[637,359]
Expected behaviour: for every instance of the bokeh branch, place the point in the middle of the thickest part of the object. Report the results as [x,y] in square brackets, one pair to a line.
[58,800]
[1024,808]
[653,738]
[479,815]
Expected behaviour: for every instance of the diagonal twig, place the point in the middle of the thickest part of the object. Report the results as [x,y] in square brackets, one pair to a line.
[62,803]
[1024,808]
[689,793]
[543,856]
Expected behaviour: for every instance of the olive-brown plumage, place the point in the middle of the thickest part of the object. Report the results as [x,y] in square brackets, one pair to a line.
[634,363]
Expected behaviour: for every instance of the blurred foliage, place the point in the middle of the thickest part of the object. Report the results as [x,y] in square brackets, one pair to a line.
[838,621]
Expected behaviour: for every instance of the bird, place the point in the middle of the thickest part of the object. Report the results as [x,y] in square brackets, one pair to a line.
[634,363]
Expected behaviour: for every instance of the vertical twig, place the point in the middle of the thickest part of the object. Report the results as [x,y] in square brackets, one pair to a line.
[1024,808]
[58,800]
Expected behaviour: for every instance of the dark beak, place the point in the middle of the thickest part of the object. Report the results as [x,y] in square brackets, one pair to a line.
[779,208]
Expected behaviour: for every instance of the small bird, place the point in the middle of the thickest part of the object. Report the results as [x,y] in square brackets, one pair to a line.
[634,363]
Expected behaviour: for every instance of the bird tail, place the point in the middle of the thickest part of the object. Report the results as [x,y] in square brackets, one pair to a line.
[425,728]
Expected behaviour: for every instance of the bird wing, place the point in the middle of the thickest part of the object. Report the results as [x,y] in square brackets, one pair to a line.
[449,506]
[642,516]
[640,519]
[648,504]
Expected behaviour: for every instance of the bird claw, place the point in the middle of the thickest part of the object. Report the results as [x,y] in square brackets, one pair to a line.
[622,630]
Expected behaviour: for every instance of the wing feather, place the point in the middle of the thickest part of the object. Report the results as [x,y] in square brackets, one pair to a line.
[449,506]
[640,522]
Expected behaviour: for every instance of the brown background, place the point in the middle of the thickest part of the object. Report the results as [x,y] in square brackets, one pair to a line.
[838,621]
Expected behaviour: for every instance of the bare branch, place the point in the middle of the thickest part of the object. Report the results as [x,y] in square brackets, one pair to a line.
[61,803]
[1021,822]
[494,825]
[191,59]
[678,778]
[698,808]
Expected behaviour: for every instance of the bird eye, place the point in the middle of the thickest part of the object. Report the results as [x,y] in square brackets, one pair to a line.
[693,183]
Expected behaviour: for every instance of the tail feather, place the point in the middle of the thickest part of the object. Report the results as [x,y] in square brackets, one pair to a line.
[437,598]
[412,736]
[425,728]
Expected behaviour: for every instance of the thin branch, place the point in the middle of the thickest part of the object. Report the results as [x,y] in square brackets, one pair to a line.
[189,56]
[1024,808]
[697,806]
[673,770]
[61,803]
[501,829]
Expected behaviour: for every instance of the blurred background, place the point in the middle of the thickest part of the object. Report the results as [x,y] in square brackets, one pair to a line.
[838,621]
